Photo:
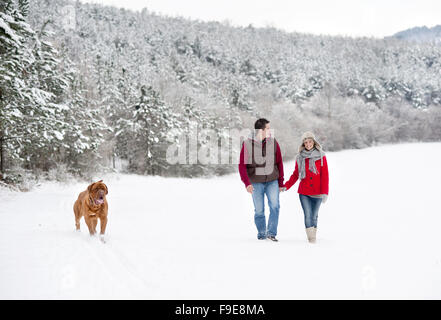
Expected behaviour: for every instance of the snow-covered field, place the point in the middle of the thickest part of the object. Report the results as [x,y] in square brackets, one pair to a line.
[378,237]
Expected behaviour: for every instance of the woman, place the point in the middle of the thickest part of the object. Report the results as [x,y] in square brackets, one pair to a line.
[312,171]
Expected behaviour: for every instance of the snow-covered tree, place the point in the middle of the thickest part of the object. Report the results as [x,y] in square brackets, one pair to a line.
[230,75]
[152,123]
[28,88]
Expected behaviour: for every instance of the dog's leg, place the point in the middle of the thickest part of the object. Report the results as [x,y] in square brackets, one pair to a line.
[77,217]
[89,223]
[94,223]
[77,224]
[103,223]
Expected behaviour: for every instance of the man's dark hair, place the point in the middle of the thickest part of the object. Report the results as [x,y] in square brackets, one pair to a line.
[260,124]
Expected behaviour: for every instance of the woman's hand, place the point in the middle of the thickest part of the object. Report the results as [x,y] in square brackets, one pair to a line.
[282,189]
[250,188]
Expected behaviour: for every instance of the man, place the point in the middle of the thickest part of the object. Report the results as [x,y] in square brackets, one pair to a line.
[261,170]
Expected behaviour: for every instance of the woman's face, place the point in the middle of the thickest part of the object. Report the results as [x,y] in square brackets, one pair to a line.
[309,144]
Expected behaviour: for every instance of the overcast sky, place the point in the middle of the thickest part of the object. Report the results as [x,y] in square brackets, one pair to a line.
[376,18]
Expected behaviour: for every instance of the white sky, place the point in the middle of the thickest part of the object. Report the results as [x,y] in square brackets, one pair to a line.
[376,18]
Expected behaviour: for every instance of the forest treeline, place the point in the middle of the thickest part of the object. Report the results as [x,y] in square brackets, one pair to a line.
[87,88]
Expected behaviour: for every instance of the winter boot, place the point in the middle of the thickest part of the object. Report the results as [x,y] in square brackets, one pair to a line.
[310,233]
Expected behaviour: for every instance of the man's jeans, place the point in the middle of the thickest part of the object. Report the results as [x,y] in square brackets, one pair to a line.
[271,189]
[310,207]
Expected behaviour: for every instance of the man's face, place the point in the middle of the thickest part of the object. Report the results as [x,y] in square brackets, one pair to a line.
[266,133]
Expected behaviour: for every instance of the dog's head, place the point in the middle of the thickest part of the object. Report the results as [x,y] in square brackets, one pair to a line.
[97,192]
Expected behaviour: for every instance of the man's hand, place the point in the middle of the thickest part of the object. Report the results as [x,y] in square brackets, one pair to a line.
[250,188]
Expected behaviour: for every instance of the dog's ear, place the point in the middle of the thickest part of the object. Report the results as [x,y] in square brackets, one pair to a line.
[100,181]
[107,190]
[89,188]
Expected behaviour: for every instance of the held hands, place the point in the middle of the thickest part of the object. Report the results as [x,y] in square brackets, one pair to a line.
[250,189]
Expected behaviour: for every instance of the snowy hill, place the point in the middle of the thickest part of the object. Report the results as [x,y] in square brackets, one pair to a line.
[420,34]
[175,238]
[105,82]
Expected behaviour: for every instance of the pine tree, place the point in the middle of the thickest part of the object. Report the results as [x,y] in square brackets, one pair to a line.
[117,101]
[36,113]
[85,128]
[153,121]
[15,58]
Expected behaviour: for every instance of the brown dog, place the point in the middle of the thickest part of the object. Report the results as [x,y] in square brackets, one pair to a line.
[92,204]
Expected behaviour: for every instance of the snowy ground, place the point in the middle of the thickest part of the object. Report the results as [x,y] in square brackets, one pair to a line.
[378,237]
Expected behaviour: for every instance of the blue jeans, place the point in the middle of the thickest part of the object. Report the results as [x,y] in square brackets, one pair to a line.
[271,189]
[310,207]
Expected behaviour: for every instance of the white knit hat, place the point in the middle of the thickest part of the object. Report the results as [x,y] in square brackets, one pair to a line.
[309,135]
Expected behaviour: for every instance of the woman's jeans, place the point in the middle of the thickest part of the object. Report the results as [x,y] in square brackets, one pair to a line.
[271,189]
[310,207]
